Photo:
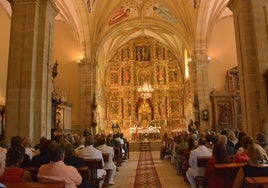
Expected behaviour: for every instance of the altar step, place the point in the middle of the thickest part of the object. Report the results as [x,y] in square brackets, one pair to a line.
[145,145]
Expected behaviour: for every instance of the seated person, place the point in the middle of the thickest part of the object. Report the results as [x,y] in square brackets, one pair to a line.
[241,155]
[89,152]
[56,170]
[219,157]
[110,164]
[261,140]
[42,157]
[71,158]
[13,172]
[258,160]
[17,141]
[4,145]
[193,171]
[27,144]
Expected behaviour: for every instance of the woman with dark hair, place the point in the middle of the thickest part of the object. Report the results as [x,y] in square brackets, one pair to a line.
[13,173]
[42,157]
[242,155]
[17,141]
[220,156]
[71,158]
[239,140]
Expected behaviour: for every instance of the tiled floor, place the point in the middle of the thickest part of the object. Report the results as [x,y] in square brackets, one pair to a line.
[167,173]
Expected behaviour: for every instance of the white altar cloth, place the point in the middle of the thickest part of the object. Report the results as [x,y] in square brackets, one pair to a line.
[142,130]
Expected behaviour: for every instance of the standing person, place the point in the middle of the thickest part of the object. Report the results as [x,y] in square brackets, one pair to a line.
[56,170]
[193,171]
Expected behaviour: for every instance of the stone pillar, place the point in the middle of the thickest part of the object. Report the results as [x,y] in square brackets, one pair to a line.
[202,90]
[29,82]
[85,95]
[251,30]
[198,69]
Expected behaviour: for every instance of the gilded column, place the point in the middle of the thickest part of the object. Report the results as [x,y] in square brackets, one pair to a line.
[251,31]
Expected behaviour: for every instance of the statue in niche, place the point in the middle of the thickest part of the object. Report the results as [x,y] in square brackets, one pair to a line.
[142,53]
[160,106]
[55,70]
[129,108]
[160,73]
[173,75]
[159,53]
[114,78]
[114,108]
[127,75]
[138,54]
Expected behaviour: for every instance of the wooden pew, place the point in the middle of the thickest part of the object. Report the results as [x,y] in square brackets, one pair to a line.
[83,171]
[93,165]
[202,162]
[33,171]
[256,182]
[35,185]
[106,159]
[227,171]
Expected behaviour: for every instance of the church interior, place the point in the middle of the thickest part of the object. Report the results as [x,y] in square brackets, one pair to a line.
[144,68]
[135,63]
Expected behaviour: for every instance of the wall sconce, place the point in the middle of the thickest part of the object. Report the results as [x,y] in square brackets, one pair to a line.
[209,58]
[189,59]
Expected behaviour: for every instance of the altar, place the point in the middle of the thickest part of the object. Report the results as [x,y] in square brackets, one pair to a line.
[140,132]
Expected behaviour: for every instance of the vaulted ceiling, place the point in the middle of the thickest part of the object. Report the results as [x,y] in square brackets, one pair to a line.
[101,26]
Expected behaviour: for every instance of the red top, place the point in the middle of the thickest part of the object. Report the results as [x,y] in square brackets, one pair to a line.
[12,175]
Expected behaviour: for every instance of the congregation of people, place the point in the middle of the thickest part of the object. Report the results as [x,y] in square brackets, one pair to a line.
[222,147]
[59,159]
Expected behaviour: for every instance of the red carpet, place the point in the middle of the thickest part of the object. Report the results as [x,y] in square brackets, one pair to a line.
[146,175]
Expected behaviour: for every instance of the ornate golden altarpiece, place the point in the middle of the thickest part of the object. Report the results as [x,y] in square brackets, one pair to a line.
[140,61]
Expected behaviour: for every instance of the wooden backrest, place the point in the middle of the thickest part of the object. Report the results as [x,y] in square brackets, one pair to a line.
[230,166]
[105,157]
[36,185]
[83,171]
[33,171]
[203,160]
[94,163]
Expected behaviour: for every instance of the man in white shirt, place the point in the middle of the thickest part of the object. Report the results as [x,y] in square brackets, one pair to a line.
[89,152]
[110,164]
[193,171]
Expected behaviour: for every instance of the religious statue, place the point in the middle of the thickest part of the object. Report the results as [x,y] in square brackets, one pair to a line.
[160,74]
[127,75]
[55,70]
[160,108]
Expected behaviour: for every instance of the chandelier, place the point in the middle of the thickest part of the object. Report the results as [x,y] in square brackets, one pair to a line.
[145,90]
